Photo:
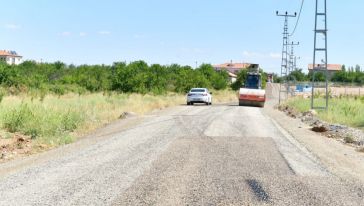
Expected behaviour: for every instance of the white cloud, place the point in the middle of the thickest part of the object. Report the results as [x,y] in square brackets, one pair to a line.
[12,26]
[82,34]
[66,33]
[104,32]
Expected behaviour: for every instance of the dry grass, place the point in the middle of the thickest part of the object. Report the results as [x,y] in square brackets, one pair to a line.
[225,96]
[342,110]
[54,120]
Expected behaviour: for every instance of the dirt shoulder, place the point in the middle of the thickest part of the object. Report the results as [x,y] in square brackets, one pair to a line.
[101,134]
[340,159]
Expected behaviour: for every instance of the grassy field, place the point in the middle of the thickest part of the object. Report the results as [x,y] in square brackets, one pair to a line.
[342,110]
[57,120]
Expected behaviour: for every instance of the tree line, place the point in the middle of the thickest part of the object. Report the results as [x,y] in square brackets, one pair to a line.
[353,75]
[135,77]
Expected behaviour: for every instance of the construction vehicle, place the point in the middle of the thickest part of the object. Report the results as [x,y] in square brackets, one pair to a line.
[252,93]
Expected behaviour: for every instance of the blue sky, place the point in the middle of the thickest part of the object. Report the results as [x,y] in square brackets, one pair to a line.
[174,31]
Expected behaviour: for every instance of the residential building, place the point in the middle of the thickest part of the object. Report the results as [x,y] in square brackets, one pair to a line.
[10,57]
[332,68]
[234,68]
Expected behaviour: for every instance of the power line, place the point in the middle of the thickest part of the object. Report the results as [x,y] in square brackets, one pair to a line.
[298,18]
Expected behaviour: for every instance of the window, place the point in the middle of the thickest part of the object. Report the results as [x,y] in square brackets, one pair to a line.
[198,90]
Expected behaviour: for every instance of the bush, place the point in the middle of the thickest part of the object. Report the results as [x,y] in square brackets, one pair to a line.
[136,77]
[15,120]
[2,95]
[70,121]
[349,139]
[39,121]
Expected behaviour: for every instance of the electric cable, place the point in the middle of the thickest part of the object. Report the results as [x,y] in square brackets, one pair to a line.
[298,18]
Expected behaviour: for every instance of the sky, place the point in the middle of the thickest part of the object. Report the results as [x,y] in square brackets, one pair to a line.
[175,31]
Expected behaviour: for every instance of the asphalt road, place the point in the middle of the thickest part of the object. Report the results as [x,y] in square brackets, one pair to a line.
[187,155]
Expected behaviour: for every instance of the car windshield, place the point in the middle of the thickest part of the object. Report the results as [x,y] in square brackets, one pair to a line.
[198,90]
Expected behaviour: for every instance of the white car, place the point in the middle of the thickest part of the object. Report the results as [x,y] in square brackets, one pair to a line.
[199,95]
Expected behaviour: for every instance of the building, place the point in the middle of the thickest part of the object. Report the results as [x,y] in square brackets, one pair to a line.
[233,77]
[270,78]
[234,68]
[332,68]
[10,57]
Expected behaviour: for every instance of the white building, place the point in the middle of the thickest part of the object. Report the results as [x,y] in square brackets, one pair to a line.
[10,57]
[233,69]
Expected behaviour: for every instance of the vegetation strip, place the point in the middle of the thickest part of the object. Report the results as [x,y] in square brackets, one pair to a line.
[31,125]
[343,121]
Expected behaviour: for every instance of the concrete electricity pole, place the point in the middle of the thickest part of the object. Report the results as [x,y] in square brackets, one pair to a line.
[284,86]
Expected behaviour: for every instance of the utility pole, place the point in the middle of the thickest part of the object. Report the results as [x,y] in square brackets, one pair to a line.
[320,52]
[284,86]
[292,56]
[291,66]
[295,62]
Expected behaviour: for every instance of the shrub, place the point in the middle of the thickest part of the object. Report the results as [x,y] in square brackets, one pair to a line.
[15,120]
[70,121]
[349,139]
[2,94]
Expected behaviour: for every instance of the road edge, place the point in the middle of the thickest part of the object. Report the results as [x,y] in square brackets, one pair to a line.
[340,160]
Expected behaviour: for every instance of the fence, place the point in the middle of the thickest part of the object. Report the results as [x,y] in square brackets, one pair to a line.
[335,89]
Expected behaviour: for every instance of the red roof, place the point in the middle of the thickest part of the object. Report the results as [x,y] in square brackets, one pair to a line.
[8,53]
[330,67]
[233,66]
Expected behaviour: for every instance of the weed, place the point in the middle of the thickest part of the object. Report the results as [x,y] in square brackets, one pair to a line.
[57,120]
[70,121]
[1,96]
[16,118]
[349,139]
[342,110]
[33,133]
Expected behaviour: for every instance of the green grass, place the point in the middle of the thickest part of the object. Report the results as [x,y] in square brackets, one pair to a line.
[57,120]
[342,110]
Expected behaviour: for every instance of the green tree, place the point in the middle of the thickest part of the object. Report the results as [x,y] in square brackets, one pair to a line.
[319,76]
[217,79]
[240,80]
[298,75]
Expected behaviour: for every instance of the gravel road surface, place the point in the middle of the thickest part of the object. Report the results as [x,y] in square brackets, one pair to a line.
[186,155]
